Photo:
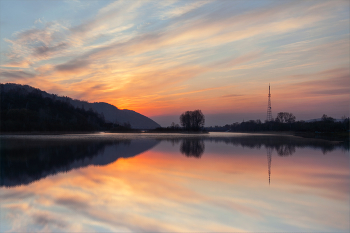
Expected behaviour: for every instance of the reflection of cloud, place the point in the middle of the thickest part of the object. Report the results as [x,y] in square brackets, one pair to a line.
[44,220]
[12,194]
[161,191]
[24,165]
[72,202]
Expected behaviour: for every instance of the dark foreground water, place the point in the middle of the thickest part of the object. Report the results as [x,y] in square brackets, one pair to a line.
[221,182]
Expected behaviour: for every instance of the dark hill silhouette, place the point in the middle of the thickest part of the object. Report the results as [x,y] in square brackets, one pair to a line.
[107,111]
[113,114]
[29,109]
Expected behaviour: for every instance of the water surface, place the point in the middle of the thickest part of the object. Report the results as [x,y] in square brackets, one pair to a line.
[221,182]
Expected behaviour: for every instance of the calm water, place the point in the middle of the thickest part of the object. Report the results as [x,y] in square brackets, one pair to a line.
[220,182]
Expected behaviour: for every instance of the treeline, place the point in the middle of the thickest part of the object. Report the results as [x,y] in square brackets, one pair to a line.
[21,111]
[325,125]
[121,128]
[191,121]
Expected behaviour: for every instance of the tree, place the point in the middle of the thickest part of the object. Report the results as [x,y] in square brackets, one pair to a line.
[285,117]
[127,125]
[185,120]
[198,120]
[326,118]
[192,120]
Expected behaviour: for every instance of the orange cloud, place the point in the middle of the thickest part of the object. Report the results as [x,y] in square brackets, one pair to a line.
[135,63]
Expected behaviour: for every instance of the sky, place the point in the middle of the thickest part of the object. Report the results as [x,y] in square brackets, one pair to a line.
[161,58]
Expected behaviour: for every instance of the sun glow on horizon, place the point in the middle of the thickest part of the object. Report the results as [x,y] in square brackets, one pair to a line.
[166,58]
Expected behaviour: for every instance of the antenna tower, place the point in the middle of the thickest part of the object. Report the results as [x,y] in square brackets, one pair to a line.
[269,113]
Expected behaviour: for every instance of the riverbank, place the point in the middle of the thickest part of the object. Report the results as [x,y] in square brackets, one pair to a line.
[335,136]
[98,132]
[341,137]
[49,132]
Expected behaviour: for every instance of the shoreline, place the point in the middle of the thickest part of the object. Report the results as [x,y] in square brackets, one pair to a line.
[339,137]
[94,132]
[50,132]
[335,136]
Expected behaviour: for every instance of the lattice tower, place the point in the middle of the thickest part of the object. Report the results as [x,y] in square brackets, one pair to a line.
[269,112]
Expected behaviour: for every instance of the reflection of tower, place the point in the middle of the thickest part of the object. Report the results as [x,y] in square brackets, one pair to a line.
[269,153]
[269,113]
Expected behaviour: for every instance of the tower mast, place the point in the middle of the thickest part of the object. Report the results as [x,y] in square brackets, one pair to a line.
[269,113]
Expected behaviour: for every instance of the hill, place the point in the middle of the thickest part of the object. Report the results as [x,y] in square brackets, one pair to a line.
[43,111]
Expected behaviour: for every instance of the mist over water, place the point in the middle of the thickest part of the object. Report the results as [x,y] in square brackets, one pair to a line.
[165,183]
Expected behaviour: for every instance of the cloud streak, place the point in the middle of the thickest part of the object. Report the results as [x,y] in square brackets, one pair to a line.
[137,49]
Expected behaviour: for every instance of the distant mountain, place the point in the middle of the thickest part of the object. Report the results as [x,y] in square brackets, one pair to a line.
[320,119]
[110,113]
[114,115]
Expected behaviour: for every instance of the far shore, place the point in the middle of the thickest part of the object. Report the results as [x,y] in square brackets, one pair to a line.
[342,136]
[94,132]
[50,132]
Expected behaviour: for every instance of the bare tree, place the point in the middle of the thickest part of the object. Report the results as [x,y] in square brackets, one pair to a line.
[185,120]
[285,117]
[327,118]
[192,120]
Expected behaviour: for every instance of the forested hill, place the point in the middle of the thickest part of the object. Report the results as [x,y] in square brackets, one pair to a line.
[24,108]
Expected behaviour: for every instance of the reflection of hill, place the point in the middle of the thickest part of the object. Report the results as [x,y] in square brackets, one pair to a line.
[25,161]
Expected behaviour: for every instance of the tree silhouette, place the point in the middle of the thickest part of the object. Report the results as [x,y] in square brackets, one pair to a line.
[285,117]
[326,118]
[192,120]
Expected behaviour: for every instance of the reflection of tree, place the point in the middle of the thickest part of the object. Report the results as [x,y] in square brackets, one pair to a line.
[23,161]
[192,147]
[284,145]
[285,150]
[175,142]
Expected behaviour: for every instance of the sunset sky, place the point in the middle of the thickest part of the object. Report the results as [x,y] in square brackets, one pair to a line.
[161,58]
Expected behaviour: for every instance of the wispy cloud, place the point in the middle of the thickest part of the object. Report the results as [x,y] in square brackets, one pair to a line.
[139,48]
[15,74]
[232,95]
